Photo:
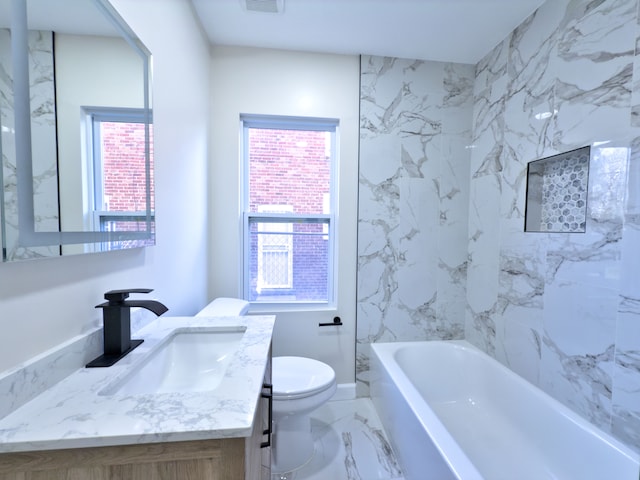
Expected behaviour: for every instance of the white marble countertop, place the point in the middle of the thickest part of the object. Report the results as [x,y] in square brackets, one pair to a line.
[74,413]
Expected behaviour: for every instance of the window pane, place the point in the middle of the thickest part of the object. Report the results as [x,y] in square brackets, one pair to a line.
[289,167]
[288,262]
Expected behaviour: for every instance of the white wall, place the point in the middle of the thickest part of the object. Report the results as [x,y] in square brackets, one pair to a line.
[45,302]
[260,81]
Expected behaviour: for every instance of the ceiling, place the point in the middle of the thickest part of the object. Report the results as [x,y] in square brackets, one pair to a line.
[441,30]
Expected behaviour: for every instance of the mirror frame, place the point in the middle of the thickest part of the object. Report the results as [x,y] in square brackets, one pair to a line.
[27,234]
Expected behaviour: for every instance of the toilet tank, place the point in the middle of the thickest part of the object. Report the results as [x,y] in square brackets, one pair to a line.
[225,307]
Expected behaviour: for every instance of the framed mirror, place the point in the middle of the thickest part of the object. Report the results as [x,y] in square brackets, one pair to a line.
[76,130]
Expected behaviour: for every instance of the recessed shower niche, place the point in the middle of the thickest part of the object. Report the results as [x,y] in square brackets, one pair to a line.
[557,192]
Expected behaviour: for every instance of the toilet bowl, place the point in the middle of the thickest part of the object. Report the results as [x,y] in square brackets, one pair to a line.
[300,385]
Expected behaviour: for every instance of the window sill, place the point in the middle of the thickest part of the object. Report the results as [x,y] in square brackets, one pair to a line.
[261,308]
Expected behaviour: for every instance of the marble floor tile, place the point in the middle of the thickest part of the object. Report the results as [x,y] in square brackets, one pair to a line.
[350,444]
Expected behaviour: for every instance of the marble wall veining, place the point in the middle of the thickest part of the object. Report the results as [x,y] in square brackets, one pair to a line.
[413,200]
[43,145]
[561,309]
[444,154]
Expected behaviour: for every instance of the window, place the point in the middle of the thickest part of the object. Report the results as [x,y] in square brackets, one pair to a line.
[288,209]
[119,201]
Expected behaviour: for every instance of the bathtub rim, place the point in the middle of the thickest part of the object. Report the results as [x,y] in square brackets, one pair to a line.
[452,453]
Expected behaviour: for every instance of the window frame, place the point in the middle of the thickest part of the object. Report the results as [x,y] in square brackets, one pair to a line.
[329,219]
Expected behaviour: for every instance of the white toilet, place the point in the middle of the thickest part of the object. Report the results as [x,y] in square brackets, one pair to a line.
[300,385]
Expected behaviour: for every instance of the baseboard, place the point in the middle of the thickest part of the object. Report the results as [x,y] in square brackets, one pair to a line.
[345,391]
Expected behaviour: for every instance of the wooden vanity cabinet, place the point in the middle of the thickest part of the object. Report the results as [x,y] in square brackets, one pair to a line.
[217,459]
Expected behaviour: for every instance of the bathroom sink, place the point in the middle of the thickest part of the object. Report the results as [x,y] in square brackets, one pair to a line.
[189,360]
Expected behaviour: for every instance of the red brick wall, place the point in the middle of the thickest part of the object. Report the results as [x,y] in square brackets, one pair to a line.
[124,166]
[288,167]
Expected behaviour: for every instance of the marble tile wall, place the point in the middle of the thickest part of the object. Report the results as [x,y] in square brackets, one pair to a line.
[442,209]
[561,309]
[44,144]
[413,200]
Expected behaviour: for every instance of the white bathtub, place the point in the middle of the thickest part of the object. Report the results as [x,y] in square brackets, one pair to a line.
[453,412]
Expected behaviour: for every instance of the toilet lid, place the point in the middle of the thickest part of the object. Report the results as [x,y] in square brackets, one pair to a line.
[299,376]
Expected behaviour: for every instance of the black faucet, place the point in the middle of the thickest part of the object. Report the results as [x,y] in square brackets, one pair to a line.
[117,324]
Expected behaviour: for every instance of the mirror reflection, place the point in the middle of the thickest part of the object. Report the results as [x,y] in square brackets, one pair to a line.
[76,130]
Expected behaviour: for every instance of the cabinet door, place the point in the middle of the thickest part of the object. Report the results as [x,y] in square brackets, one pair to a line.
[191,460]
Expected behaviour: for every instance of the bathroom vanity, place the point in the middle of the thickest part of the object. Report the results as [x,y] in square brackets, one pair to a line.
[109,423]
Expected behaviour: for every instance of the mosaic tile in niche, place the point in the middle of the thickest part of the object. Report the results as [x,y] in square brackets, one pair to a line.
[557,192]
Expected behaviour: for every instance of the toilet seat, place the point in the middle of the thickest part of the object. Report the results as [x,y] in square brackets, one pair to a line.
[299,377]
